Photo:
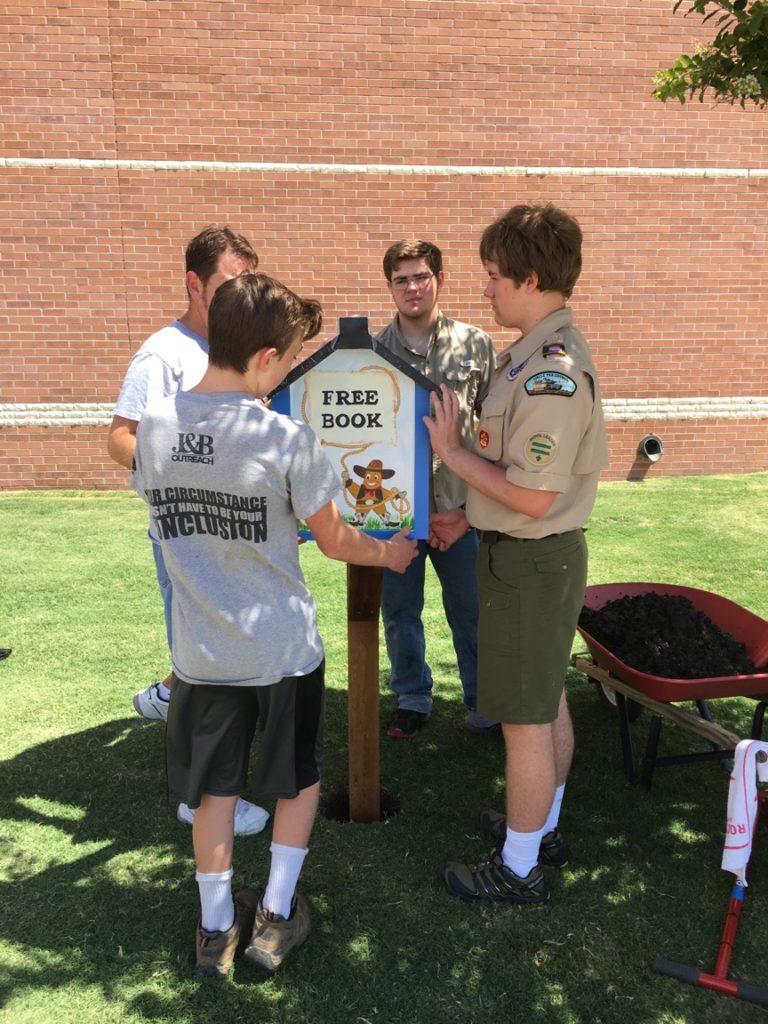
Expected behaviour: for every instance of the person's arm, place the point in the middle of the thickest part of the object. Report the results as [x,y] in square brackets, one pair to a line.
[478,472]
[338,540]
[149,377]
[121,441]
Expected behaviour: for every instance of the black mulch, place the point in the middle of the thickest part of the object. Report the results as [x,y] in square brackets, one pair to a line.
[664,635]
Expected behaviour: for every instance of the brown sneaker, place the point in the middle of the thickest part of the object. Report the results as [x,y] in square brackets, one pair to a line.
[274,936]
[217,950]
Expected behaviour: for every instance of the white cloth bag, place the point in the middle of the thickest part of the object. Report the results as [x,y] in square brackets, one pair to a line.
[748,767]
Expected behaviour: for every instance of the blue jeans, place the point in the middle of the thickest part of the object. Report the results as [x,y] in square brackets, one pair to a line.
[165,589]
[402,602]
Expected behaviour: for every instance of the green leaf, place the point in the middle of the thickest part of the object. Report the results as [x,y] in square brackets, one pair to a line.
[759,13]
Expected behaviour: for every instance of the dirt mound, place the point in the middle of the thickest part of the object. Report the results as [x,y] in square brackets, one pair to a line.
[664,635]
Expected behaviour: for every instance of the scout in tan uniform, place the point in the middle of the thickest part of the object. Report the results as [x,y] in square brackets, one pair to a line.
[532,473]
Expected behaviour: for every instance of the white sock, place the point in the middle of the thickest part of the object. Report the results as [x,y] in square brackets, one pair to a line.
[217,908]
[521,851]
[284,871]
[163,692]
[554,812]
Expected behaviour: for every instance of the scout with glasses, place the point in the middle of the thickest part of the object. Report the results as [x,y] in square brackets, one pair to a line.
[462,356]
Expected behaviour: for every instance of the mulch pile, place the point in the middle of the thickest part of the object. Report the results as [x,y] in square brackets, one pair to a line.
[664,635]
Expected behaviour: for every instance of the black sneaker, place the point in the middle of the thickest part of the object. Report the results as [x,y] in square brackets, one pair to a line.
[404,724]
[493,880]
[553,852]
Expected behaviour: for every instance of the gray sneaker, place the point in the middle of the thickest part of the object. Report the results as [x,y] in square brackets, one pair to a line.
[493,880]
[481,725]
[274,936]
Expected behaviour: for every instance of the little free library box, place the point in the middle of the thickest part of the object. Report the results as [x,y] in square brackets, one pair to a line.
[366,406]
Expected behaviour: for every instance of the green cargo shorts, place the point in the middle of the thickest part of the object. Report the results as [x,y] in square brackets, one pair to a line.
[530,594]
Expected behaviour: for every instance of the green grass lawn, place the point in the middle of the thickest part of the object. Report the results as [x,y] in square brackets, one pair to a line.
[96,876]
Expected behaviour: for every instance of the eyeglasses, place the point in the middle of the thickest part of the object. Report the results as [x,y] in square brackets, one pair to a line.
[418,280]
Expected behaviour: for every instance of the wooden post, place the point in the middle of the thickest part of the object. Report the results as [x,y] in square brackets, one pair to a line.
[363,602]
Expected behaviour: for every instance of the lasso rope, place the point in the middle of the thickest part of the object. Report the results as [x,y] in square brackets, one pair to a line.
[400,503]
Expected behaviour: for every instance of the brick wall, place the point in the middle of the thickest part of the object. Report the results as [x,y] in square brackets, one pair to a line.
[324,131]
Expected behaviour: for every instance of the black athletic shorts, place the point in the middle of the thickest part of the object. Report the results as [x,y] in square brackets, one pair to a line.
[211,728]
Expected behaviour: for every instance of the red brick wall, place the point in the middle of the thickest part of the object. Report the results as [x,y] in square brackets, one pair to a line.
[433,111]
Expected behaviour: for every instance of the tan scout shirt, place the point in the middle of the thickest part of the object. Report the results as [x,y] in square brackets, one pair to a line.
[462,357]
[542,421]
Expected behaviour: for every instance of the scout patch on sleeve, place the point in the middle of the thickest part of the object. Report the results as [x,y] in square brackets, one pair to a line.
[550,382]
[483,438]
[515,372]
[553,348]
[540,449]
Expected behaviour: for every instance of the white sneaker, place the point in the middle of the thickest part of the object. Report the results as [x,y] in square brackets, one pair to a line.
[149,704]
[250,819]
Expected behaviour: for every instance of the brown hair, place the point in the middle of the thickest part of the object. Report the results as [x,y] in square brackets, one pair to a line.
[412,249]
[538,239]
[254,311]
[204,251]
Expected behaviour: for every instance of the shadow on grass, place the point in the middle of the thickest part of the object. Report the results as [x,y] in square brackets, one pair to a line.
[99,892]
[95,845]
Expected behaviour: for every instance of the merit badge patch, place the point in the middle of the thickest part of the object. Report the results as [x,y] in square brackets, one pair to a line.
[550,382]
[540,449]
[483,438]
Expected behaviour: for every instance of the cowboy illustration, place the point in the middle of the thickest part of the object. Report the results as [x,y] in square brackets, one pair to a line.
[370,496]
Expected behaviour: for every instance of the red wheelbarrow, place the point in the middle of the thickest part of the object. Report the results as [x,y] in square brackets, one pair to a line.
[633,688]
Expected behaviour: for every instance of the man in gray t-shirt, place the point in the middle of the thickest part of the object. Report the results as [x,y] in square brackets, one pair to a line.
[175,359]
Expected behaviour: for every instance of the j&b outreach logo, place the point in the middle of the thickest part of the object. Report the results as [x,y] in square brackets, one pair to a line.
[193,448]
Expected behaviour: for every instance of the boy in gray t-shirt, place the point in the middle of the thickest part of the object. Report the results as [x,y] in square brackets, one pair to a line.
[226,480]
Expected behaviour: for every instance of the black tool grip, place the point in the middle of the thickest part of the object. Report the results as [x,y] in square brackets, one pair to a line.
[682,972]
[752,993]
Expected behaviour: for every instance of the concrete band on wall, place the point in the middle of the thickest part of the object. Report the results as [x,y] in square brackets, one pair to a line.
[250,167]
[75,457]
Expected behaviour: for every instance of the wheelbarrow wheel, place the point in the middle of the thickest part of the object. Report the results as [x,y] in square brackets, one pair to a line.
[608,699]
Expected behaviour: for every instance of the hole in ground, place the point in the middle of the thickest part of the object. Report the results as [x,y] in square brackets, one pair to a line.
[335,805]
